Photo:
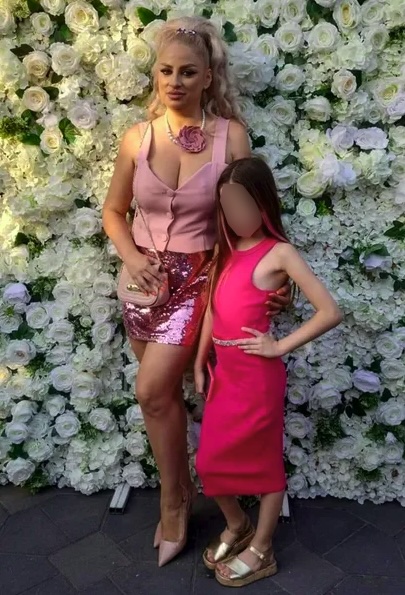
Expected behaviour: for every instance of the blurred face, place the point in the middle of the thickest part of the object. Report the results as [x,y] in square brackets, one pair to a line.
[182,76]
[240,210]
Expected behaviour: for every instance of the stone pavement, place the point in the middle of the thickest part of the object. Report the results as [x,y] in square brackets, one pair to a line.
[60,542]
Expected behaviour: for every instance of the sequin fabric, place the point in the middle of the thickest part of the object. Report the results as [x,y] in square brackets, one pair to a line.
[178,321]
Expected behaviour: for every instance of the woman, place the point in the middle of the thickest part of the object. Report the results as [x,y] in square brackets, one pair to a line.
[177,168]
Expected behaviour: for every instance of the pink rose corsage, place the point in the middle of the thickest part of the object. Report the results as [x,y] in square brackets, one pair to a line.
[191,139]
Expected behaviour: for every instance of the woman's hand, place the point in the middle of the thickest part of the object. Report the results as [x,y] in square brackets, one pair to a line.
[279,300]
[145,272]
[199,381]
[261,344]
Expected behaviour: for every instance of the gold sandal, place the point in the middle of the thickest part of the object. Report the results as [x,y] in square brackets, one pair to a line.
[223,551]
[242,574]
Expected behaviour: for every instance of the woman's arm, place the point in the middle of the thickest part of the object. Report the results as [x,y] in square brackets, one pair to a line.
[327,313]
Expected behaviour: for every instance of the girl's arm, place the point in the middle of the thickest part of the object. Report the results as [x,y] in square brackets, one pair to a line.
[204,347]
[327,313]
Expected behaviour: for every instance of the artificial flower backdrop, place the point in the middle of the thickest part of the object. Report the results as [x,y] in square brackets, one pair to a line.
[322,86]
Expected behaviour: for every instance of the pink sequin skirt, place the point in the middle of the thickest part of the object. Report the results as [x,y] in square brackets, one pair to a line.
[178,321]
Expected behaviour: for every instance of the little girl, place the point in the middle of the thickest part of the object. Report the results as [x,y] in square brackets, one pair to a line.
[241,445]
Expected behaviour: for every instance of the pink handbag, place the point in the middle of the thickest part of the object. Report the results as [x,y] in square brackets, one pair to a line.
[128,290]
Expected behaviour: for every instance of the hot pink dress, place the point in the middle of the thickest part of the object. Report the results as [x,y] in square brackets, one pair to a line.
[241,443]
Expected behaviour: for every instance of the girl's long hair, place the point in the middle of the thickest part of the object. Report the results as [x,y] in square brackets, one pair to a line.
[256,177]
[220,98]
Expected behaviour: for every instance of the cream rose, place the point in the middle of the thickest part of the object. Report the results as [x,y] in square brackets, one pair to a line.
[102,419]
[311,185]
[7,22]
[62,378]
[51,140]
[318,108]
[293,10]
[81,16]
[282,111]
[65,59]
[347,14]
[323,37]
[268,46]
[54,7]
[19,353]
[35,99]
[42,23]
[372,12]
[290,78]
[306,207]
[37,316]
[290,37]
[103,332]
[344,84]
[37,64]
[83,115]
[87,223]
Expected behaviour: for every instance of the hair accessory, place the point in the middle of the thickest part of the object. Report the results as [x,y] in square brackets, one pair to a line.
[183,31]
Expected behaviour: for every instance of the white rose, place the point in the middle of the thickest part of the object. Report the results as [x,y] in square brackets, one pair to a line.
[135,444]
[65,59]
[39,426]
[64,292]
[399,334]
[55,405]
[61,331]
[297,456]
[267,11]
[297,483]
[101,309]
[371,458]
[35,99]
[372,12]
[19,470]
[9,322]
[151,30]
[389,346]
[342,137]
[37,64]
[103,332]
[67,425]
[141,52]
[347,14]
[371,138]
[311,185]
[282,111]
[391,413]
[104,69]
[293,10]
[85,386]
[394,453]
[366,381]
[339,173]
[42,23]
[344,84]
[268,46]
[37,316]
[7,22]
[102,419]
[54,7]
[17,295]
[323,37]
[87,223]
[386,92]
[5,446]
[23,411]
[134,416]
[377,36]
[373,261]
[326,3]
[19,353]
[104,285]
[340,378]
[297,425]
[5,375]
[290,78]
[325,395]
[81,16]
[297,394]
[393,369]
[346,448]
[285,177]
[61,378]
[51,140]
[83,115]
[134,475]
[306,207]
[39,450]
[16,432]
[318,108]
[290,37]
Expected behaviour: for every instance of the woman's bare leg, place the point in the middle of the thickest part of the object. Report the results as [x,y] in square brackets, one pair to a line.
[158,393]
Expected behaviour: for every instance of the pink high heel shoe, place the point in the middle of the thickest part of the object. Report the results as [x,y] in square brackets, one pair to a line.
[170,549]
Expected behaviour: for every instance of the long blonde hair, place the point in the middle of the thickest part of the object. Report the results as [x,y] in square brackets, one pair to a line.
[220,98]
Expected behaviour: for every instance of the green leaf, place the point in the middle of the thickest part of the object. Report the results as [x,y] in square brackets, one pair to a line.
[22,50]
[28,116]
[34,6]
[62,34]
[367,476]
[358,409]
[146,16]
[20,93]
[82,203]
[101,8]
[68,130]
[397,231]
[386,395]
[56,78]
[258,141]
[53,92]
[207,13]
[376,366]
[229,32]
[399,285]
[28,138]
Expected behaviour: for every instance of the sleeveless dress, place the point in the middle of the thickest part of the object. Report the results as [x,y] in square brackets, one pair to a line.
[178,321]
[241,442]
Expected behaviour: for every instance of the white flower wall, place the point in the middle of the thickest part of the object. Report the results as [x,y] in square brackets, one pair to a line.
[322,86]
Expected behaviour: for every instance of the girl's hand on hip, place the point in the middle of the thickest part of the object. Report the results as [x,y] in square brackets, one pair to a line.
[279,300]
[261,344]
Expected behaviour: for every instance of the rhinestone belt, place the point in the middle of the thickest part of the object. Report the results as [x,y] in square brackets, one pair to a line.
[223,343]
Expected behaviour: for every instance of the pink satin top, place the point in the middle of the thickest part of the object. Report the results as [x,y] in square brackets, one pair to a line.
[181,220]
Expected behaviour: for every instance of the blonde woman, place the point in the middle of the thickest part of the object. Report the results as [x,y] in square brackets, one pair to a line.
[171,163]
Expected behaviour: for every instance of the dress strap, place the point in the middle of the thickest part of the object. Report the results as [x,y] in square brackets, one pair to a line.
[146,136]
[220,139]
